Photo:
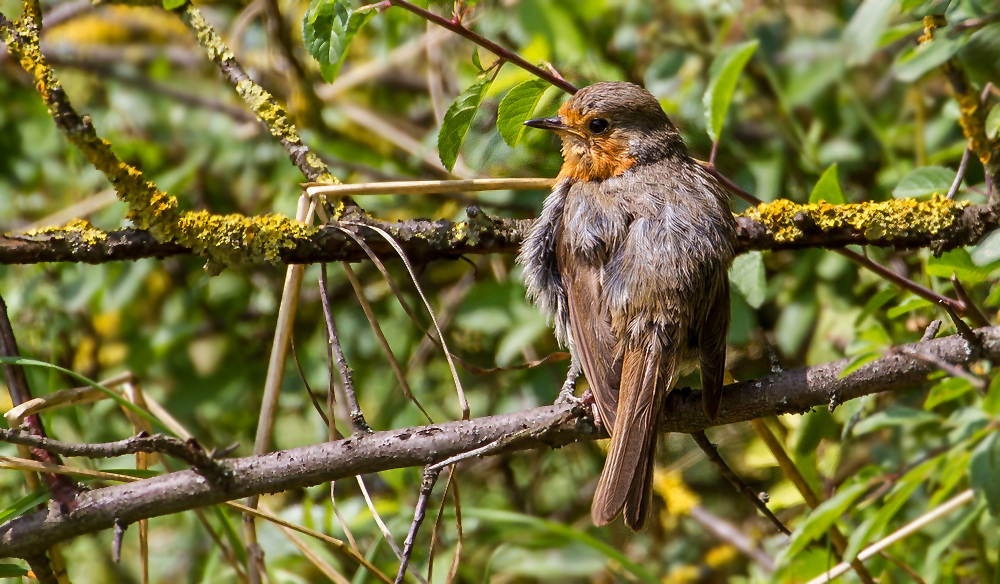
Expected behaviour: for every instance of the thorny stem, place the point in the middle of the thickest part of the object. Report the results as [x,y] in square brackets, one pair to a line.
[346,375]
[505,54]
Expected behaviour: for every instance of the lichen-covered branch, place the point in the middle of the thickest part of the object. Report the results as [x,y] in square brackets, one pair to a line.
[936,223]
[793,391]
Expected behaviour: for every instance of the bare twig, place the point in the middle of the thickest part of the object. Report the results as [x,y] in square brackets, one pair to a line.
[790,391]
[426,487]
[346,376]
[712,452]
[974,313]
[458,28]
[946,508]
[731,534]
[426,187]
[960,175]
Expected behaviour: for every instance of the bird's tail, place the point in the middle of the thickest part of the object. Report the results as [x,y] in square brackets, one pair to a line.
[626,482]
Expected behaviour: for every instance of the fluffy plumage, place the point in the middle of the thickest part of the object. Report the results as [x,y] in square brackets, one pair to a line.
[630,258]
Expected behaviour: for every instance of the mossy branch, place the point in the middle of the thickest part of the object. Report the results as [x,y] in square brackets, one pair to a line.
[936,223]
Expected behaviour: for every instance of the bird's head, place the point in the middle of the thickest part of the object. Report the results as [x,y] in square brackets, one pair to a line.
[607,128]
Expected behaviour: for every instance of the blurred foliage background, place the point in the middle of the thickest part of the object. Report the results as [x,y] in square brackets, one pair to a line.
[831,83]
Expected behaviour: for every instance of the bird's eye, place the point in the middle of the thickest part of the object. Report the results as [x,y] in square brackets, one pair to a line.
[598,126]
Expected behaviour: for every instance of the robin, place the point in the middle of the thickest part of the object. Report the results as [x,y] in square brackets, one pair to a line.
[630,257]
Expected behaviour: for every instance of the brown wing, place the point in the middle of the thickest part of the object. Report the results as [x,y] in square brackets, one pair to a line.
[712,346]
[626,481]
[590,330]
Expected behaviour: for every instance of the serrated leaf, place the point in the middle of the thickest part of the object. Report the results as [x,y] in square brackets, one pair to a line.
[723,75]
[861,37]
[821,519]
[959,262]
[913,62]
[923,182]
[328,28]
[984,471]
[828,188]
[516,107]
[747,274]
[909,304]
[946,390]
[993,122]
[457,120]
[893,417]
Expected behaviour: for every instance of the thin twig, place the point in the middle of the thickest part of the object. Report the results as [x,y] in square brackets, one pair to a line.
[974,313]
[960,175]
[346,375]
[456,27]
[952,370]
[427,187]
[712,452]
[811,498]
[426,487]
[946,508]
[731,534]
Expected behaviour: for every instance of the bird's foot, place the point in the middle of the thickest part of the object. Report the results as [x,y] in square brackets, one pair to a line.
[588,400]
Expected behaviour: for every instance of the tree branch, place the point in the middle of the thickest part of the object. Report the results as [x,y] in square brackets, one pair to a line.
[939,224]
[788,392]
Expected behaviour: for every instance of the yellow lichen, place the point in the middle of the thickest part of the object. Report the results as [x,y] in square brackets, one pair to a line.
[877,220]
[87,233]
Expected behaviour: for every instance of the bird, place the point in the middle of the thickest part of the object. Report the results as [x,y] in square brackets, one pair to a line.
[630,258]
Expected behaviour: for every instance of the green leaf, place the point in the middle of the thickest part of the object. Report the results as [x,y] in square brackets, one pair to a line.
[909,304]
[874,303]
[893,417]
[747,274]
[865,29]
[915,61]
[857,362]
[828,188]
[458,118]
[12,571]
[993,122]
[820,520]
[723,75]
[516,107]
[984,471]
[231,533]
[327,30]
[173,4]
[991,403]
[944,541]
[893,503]
[946,390]
[111,394]
[36,497]
[923,182]
[476,61]
[564,532]
[959,262]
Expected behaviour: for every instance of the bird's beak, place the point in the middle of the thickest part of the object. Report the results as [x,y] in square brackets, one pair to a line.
[555,123]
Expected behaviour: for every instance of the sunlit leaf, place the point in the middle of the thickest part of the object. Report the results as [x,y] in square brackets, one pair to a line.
[959,262]
[747,274]
[723,75]
[946,390]
[909,304]
[893,417]
[328,28]
[914,62]
[516,107]
[828,188]
[821,519]
[36,497]
[874,303]
[993,122]
[458,118]
[923,182]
